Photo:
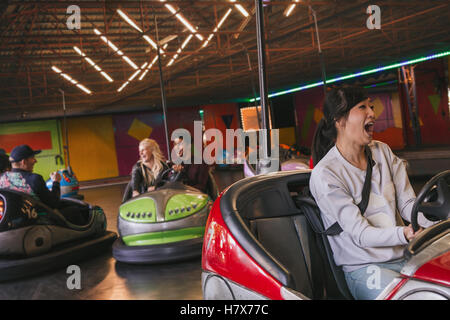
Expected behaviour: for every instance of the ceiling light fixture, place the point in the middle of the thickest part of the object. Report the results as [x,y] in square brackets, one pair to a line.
[183,45]
[148,68]
[123,86]
[217,27]
[71,80]
[152,43]
[358,74]
[92,63]
[134,75]
[289,9]
[131,63]
[241,9]
[183,20]
[129,20]
[116,50]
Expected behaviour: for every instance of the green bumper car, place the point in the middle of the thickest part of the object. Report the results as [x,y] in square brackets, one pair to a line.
[164,225]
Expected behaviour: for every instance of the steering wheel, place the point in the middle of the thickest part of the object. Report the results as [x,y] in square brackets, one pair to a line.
[168,175]
[433,200]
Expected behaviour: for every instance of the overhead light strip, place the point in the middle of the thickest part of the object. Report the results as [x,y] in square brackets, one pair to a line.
[183,20]
[116,49]
[129,20]
[183,45]
[92,63]
[148,68]
[134,75]
[358,74]
[290,8]
[135,26]
[71,80]
[240,8]
[217,27]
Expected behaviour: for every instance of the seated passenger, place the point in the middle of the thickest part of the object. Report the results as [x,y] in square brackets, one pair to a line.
[194,175]
[370,247]
[21,178]
[148,169]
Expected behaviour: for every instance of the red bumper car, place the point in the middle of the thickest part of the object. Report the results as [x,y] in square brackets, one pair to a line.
[260,243]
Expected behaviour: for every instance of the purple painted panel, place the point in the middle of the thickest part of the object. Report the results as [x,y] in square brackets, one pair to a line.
[386,119]
[127,141]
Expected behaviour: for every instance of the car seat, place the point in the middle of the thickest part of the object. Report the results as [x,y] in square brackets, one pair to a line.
[312,212]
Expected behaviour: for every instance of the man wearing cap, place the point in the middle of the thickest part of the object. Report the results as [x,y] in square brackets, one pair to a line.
[21,178]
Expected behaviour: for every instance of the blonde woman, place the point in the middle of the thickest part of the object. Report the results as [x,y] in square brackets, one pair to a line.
[147,170]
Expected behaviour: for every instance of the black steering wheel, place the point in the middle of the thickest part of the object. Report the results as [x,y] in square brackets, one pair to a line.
[433,200]
[168,175]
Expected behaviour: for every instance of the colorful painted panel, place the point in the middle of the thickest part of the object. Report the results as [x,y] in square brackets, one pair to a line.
[92,148]
[388,125]
[129,130]
[308,107]
[432,100]
[39,135]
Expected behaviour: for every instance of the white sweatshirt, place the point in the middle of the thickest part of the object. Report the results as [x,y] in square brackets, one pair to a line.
[378,235]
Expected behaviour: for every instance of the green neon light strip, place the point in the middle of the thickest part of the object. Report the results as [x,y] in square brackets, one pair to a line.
[380,84]
[359,74]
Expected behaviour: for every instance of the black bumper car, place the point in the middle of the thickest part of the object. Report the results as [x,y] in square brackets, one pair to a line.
[36,238]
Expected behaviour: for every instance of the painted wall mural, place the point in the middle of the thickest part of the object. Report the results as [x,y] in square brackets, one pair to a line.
[129,130]
[39,135]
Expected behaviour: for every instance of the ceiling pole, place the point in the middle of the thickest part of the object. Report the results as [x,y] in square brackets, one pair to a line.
[163,91]
[262,77]
[66,131]
[322,62]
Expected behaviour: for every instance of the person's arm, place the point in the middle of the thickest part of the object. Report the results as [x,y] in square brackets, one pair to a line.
[50,198]
[404,192]
[337,204]
[136,179]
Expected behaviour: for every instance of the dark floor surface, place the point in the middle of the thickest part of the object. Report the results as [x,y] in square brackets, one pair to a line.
[104,278]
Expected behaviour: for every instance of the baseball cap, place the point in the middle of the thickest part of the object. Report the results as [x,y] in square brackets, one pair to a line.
[22,152]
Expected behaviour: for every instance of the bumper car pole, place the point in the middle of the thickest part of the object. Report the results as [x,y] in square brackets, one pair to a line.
[163,91]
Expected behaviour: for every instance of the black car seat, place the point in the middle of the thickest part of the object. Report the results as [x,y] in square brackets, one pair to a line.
[312,212]
[211,187]
[127,193]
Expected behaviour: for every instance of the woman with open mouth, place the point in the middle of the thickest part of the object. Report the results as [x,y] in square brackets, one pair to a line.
[363,222]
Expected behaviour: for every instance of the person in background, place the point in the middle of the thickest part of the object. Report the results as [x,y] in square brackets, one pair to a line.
[21,178]
[374,239]
[194,175]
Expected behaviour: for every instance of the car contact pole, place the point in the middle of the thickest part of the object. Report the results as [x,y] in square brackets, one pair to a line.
[163,91]
[66,131]
[322,61]
[262,76]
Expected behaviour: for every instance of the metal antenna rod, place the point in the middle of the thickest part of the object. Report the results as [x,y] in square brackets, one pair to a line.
[262,75]
[258,113]
[322,62]
[163,91]
[66,130]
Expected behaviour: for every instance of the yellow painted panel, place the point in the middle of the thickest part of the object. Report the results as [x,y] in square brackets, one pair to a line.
[287,136]
[396,110]
[92,147]
[139,130]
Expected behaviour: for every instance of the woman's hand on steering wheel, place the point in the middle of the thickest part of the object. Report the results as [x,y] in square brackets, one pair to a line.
[409,232]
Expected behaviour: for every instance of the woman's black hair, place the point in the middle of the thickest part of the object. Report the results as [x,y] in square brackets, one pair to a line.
[338,103]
